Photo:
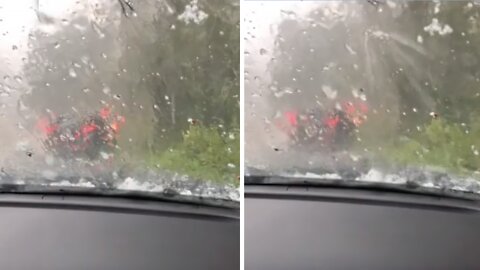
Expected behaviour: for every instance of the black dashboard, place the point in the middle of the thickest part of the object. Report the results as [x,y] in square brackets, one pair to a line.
[69,232]
[335,228]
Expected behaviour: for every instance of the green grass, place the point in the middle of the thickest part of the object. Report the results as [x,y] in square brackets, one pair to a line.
[204,153]
[440,143]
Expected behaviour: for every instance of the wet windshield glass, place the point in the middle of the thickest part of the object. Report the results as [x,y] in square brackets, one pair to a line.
[118,94]
[382,91]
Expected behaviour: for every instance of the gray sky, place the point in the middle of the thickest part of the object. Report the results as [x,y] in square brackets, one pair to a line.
[18,18]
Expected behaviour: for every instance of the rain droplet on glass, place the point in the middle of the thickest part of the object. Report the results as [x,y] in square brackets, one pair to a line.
[72,73]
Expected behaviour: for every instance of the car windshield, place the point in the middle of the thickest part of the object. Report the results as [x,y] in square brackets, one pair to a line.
[378,91]
[138,96]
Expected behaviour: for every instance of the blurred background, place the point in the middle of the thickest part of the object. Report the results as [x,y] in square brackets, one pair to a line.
[412,64]
[170,68]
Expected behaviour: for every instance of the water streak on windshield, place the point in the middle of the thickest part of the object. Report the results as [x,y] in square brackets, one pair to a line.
[369,90]
[140,95]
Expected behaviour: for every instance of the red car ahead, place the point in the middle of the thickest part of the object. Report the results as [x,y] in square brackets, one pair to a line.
[91,136]
[331,129]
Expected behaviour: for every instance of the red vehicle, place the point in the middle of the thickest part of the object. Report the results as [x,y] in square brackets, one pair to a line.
[330,129]
[92,136]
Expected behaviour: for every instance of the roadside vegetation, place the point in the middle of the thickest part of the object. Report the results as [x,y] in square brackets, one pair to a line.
[163,65]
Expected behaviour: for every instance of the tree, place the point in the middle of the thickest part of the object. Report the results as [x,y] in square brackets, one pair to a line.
[190,65]
[164,65]
[408,59]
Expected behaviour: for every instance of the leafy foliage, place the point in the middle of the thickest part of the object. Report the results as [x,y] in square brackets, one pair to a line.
[442,144]
[395,56]
[191,69]
[204,153]
[159,63]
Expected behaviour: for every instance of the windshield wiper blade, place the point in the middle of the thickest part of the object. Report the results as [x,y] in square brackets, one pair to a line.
[409,187]
[197,192]
[167,195]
